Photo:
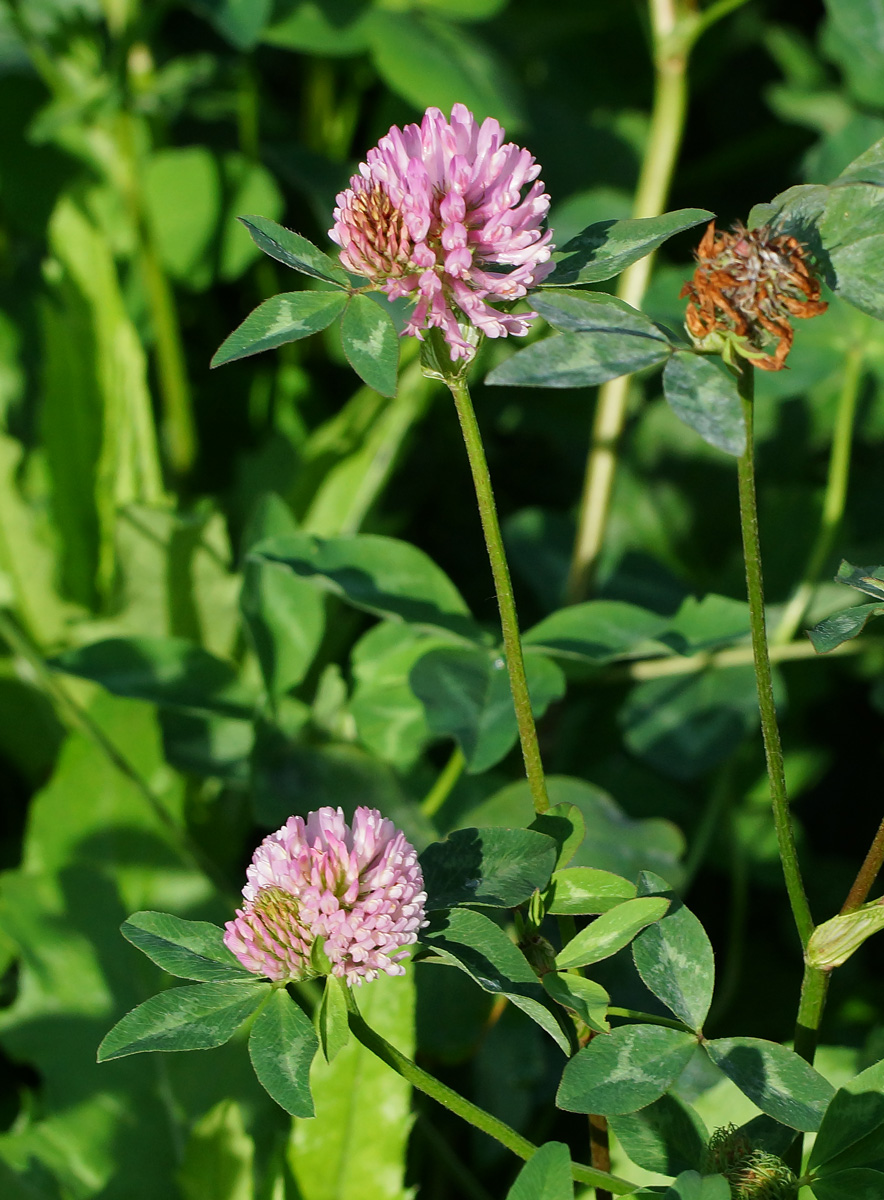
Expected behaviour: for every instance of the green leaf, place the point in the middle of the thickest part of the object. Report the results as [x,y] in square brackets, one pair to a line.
[472,942]
[610,932]
[858,1183]
[666,1137]
[239,21]
[184,233]
[858,273]
[248,187]
[674,957]
[282,1045]
[594,312]
[371,344]
[281,319]
[573,360]
[356,1144]
[285,618]
[334,1029]
[95,417]
[293,250]
[188,949]
[545,1176]
[613,842]
[851,1135]
[380,575]
[706,624]
[692,1186]
[597,631]
[705,396]
[184,1018]
[466,695]
[219,1157]
[624,1070]
[842,626]
[686,724]
[336,28]
[606,248]
[855,39]
[577,891]
[390,720]
[782,1085]
[169,671]
[564,823]
[865,579]
[586,997]
[431,62]
[499,868]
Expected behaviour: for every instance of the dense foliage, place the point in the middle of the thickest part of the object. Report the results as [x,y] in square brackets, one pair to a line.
[229,596]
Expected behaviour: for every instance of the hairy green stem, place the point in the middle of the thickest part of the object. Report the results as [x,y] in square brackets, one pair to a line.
[663,142]
[770,729]
[834,502]
[464,1108]
[512,644]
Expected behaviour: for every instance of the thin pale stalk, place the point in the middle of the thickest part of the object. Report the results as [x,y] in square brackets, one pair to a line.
[737,656]
[447,778]
[770,729]
[478,1117]
[600,1150]
[867,874]
[512,644]
[643,1018]
[661,149]
[834,502]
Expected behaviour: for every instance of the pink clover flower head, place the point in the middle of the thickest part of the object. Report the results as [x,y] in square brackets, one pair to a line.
[448,213]
[320,890]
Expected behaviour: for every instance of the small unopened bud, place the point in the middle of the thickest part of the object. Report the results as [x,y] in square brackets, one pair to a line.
[539,953]
[833,942]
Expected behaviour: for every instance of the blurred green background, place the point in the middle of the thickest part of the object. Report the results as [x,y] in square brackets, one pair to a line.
[132,480]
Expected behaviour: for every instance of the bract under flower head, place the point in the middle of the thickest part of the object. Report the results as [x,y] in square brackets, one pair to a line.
[319,887]
[448,213]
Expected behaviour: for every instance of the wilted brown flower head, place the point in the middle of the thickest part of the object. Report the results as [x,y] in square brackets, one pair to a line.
[746,287]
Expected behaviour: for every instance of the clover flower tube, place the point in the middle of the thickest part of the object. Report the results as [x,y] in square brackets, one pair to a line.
[449,214]
[323,897]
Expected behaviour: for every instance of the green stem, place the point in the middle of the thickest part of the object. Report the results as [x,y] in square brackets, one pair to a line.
[866,875]
[814,987]
[661,149]
[643,1018]
[834,502]
[770,730]
[78,718]
[464,1108]
[509,622]
[441,789]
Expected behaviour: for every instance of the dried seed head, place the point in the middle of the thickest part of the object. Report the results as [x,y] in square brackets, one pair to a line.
[747,286]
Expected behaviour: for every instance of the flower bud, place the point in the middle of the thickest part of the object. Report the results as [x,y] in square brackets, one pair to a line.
[833,942]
